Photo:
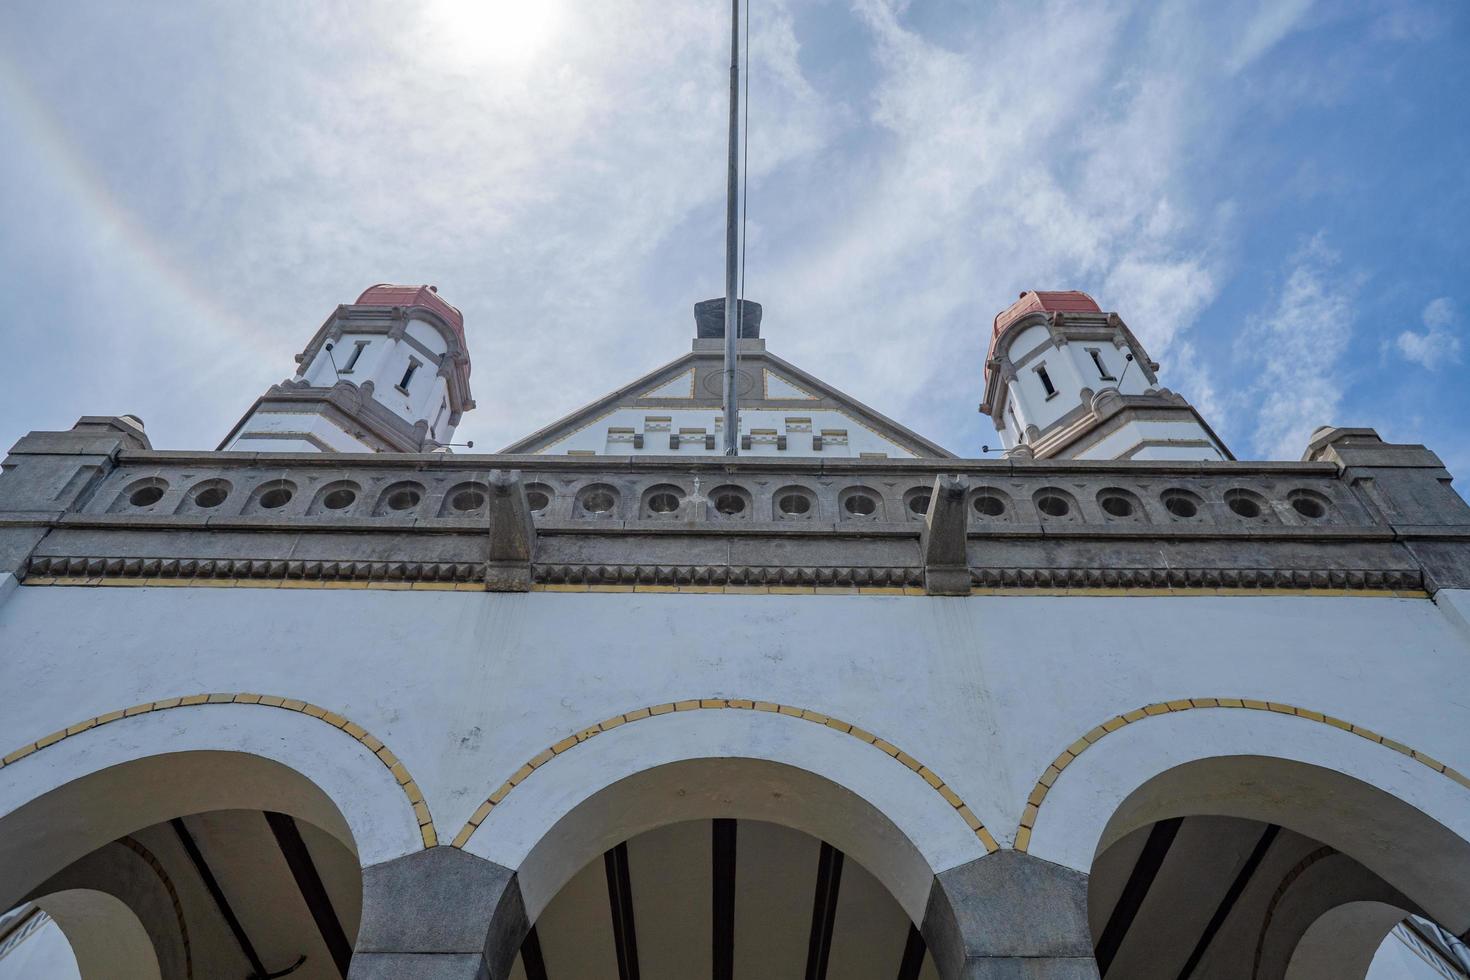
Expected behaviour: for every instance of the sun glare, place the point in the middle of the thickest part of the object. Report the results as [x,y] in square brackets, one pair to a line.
[492,33]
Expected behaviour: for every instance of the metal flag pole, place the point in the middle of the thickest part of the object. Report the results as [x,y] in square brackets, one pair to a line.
[732,242]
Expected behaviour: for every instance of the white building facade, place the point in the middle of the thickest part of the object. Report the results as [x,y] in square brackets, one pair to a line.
[593,709]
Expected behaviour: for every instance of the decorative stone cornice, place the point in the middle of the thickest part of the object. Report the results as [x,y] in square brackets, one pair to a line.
[1381,521]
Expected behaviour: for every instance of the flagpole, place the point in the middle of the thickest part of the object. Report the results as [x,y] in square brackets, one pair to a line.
[732,243]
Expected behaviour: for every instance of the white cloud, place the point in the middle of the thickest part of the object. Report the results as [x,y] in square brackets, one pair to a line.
[1271,23]
[563,182]
[1296,347]
[1436,345]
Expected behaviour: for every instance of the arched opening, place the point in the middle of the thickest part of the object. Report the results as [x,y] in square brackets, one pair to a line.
[186,864]
[737,868]
[723,898]
[106,937]
[1259,867]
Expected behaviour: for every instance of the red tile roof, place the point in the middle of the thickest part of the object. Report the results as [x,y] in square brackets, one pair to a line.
[1034,301]
[385,294]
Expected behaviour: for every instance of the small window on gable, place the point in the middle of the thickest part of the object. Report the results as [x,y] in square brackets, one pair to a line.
[413,365]
[1046,381]
[1102,369]
[357,348]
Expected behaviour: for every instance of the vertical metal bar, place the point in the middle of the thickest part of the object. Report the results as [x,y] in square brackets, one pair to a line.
[913,955]
[620,901]
[1140,879]
[824,911]
[1232,895]
[732,242]
[313,891]
[722,937]
[220,902]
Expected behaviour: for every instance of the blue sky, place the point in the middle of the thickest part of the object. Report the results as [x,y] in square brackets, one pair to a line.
[1274,195]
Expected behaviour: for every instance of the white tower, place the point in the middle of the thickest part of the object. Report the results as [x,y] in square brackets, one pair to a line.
[1064,380]
[388,373]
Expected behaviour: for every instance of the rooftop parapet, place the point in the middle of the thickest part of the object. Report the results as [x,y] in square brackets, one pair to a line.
[434,520]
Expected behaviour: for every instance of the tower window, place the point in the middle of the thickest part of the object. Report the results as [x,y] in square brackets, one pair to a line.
[357,349]
[1102,369]
[1051,389]
[413,365]
[434,429]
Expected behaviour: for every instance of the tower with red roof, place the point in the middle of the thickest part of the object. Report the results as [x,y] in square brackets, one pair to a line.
[1065,380]
[388,373]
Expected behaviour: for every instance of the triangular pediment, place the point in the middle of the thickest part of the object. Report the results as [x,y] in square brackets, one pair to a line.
[679,386]
[678,409]
[779,386]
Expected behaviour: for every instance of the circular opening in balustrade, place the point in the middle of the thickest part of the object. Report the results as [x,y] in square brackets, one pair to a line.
[989,505]
[275,498]
[339,499]
[468,499]
[1052,505]
[860,505]
[794,504]
[1117,505]
[210,497]
[146,496]
[1180,504]
[919,503]
[404,498]
[599,502]
[1243,503]
[1308,505]
[538,500]
[664,503]
[729,504]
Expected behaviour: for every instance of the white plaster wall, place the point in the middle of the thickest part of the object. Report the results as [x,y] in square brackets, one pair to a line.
[594,437]
[321,372]
[296,422]
[1114,445]
[427,335]
[986,690]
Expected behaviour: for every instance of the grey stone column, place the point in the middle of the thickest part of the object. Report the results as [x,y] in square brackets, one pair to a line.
[1010,916]
[439,914]
[49,473]
[1409,488]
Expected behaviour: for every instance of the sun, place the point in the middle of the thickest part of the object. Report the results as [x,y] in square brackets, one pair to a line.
[473,34]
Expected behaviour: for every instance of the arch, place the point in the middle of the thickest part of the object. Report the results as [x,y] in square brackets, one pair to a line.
[74,794]
[1068,755]
[106,937]
[1342,942]
[129,872]
[934,782]
[394,765]
[1385,811]
[741,788]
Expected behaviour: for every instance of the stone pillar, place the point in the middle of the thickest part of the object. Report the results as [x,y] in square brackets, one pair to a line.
[439,914]
[945,538]
[1408,486]
[1010,916]
[49,473]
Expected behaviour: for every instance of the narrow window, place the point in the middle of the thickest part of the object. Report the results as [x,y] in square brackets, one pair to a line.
[1102,369]
[434,429]
[357,349]
[413,365]
[1046,381]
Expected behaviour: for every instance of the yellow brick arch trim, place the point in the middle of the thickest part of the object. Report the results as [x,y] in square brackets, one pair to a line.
[375,745]
[739,704]
[1071,752]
